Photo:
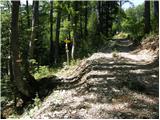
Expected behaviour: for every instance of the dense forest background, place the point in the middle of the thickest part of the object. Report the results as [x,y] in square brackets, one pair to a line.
[37,40]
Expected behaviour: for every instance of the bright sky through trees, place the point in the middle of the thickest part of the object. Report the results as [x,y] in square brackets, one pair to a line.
[135,2]
[125,6]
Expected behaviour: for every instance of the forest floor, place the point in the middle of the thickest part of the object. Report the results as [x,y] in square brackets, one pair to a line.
[121,84]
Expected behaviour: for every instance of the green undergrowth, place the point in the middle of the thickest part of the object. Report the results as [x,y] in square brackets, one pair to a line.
[121,35]
[6,90]
[45,71]
[29,110]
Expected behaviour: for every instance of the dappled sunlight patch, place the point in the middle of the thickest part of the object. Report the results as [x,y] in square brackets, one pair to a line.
[111,78]
[100,55]
[139,71]
[115,89]
[98,73]
[154,76]
[110,107]
[138,57]
[145,98]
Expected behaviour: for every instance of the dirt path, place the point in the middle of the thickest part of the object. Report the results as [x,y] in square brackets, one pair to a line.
[113,85]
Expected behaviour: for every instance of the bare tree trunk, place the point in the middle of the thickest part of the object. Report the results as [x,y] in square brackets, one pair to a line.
[15,56]
[74,30]
[51,33]
[73,48]
[147,17]
[34,28]
[58,21]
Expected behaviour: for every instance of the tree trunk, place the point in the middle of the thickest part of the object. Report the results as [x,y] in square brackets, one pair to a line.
[69,19]
[34,28]
[106,17]
[156,10]
[100,12]
[21,85]
[86,18]
[73,48]
[58,21]
[51,33]
[27,10]
[81,26]
[26,62]
[147,17]
[74,30]
[120,4]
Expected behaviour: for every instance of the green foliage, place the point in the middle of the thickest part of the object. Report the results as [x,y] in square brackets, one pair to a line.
[74,62]
[6,89]
[44,71]
[92,22]
[14,115]
[111,44]
[134,23]
[121,35]
[5,35]
[65,29]
[115,27]
[33,62]
[33,65]
[92,26]
[37,101]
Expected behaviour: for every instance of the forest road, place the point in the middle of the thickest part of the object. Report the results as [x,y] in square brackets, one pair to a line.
[113,85]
